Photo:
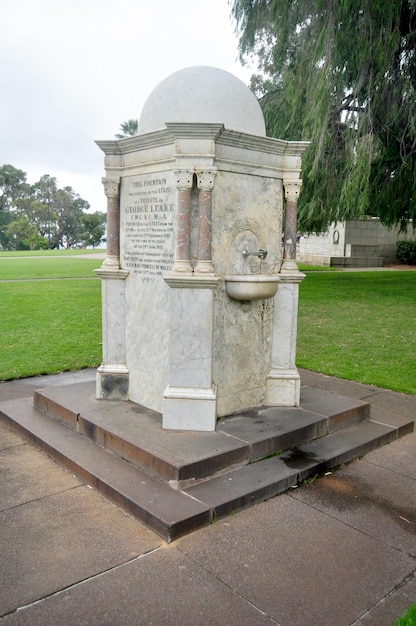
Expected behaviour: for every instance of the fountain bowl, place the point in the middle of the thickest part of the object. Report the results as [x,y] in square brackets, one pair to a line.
[248,287]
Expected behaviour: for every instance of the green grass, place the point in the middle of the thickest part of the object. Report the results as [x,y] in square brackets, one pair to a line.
[51,253]
[360,326]
[409,618]
[49,326]
[23,268]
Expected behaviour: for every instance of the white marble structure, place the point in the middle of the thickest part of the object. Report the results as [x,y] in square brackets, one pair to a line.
[199,313]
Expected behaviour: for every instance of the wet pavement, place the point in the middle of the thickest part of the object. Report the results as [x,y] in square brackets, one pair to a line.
[338,551]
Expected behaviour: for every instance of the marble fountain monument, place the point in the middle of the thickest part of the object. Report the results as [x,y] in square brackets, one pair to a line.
[197,409]
[199,313]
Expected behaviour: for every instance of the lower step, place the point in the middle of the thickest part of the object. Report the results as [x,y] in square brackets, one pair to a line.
[171,512]
[168,512]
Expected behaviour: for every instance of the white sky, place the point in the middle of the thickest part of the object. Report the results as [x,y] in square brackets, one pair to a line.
[73,70]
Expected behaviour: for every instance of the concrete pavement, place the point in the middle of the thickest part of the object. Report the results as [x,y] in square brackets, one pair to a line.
[339,551]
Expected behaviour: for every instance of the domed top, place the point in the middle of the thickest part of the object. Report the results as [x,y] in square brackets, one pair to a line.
[202,95]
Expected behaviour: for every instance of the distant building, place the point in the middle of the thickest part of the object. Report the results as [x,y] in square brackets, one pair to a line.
[362,242]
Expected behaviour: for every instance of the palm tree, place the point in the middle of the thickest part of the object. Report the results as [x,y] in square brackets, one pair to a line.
[129,129]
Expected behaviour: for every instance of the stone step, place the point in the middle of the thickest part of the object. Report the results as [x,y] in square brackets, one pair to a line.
[265,479]
[168,512]
[173,512]
[136,434]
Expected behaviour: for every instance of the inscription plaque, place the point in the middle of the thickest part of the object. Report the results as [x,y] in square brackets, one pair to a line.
[147,213]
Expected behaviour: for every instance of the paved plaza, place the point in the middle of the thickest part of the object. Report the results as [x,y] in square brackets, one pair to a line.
[338,551]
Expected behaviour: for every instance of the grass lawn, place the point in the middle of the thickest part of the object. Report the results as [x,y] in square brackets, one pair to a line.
[360,326]
[49,325]
[52,253]
[24,268]
[355,325]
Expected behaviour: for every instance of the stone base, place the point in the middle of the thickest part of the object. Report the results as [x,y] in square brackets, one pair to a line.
[283,388]
[178,482]
[112,383]
[189,409]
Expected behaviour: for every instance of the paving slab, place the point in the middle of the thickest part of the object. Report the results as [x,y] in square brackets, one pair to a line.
[27,474]
[336,385]
[394,605]
[301,566]
[288,561]
[58,540]
[399,456]
[400,403]
[9,438]
[164,588]
[372,499]
[24,387]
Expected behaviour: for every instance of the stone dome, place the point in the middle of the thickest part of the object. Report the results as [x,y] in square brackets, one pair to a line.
[202,95]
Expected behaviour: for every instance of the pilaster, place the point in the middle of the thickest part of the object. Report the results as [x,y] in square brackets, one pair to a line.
[112,380]
[283,381]
[112,191]
[184,182]
[292,190]
[190,397]
[206,180]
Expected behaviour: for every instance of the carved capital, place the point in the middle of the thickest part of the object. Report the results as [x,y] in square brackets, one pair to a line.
[184,179]
[292,188]
[206,179]
[111,187]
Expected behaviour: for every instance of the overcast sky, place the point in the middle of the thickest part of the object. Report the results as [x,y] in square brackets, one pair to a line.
[73,70]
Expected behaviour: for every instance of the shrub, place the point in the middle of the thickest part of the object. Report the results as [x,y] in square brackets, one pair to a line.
[406,252]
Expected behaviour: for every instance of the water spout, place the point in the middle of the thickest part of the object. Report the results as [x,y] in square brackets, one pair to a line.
[261,253]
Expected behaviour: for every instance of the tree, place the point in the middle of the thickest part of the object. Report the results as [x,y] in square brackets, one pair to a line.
[94,228]
[40,215]
[69,207]
[12,186]
[128,129]
[342,75]
[22,234]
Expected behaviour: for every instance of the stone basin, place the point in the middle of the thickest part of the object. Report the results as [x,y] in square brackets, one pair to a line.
[248,287]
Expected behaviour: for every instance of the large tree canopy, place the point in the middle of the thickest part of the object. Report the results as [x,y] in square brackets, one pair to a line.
[42,215]
[341,74]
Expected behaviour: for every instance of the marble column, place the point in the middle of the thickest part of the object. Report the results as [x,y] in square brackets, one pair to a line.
[112,381]
[184,182]
[112,191]
[292,190]
[205,185]
[283,381]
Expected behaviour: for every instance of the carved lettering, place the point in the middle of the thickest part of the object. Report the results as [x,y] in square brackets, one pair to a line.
[147,214]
